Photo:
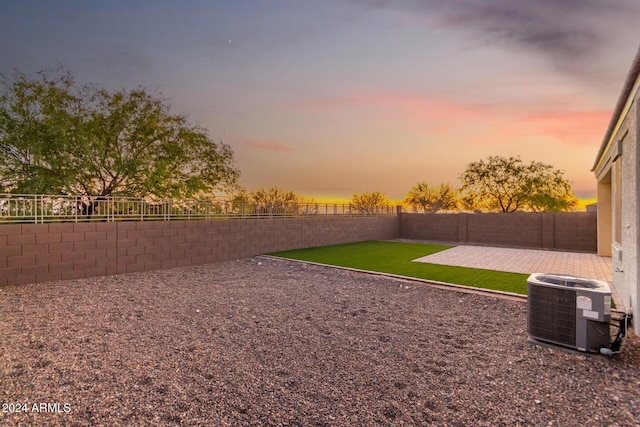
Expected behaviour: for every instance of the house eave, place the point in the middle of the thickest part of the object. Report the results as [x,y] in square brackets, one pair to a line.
[629,83]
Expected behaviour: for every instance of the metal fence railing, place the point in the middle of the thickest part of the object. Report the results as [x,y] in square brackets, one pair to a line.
[39,208]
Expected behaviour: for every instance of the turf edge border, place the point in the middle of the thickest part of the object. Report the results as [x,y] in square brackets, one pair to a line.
[440,285]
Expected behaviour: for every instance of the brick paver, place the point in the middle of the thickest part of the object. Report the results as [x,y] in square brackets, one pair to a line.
[527,261]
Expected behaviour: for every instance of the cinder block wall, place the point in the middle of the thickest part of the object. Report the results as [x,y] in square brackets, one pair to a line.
[579,230]
[505,229]
[575,231]
[42,252]
[436,227]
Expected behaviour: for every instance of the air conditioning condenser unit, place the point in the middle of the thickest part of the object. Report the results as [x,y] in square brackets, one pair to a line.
[570,311]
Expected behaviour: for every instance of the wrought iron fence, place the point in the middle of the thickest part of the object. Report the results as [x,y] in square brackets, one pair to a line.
[39,208]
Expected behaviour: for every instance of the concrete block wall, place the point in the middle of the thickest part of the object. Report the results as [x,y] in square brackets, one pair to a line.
[575,231]
[578,230]
[505,229]
[436,227]
[43,252]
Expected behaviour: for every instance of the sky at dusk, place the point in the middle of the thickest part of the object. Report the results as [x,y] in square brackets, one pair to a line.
[334,97]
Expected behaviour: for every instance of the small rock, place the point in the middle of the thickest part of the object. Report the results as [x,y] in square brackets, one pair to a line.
[538,401]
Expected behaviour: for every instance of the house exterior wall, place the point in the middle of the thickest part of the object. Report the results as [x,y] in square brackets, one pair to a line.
[625,207]
[604,216]
[617,174]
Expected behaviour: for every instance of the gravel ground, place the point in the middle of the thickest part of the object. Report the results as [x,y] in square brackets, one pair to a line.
[269,342]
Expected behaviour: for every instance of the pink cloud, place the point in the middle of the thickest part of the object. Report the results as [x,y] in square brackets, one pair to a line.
[415,106]
[426,108]
[430,112]
[502,122]
[267,146]
[574,127]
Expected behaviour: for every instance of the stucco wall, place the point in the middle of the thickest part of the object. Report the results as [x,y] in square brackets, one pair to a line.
[625,258]
[618,202]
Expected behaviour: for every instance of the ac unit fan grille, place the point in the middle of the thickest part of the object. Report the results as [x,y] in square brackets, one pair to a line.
[552,314]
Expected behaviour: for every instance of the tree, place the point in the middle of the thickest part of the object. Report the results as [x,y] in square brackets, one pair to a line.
[270,200]
[508,185]
[58,137]
[547,190]
[370,203]
[274,196]
[425,198]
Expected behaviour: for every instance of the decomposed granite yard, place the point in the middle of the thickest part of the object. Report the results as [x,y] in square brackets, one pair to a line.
[273,342]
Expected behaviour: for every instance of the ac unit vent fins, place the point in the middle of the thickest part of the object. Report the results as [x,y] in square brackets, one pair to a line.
[552,314]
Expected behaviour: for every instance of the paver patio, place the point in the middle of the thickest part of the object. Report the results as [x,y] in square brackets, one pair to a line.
[526,261]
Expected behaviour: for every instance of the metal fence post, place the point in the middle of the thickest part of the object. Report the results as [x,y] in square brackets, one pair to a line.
[36,208]
[42,208]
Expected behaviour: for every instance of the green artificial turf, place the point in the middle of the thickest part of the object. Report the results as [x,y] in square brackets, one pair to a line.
[395,258]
